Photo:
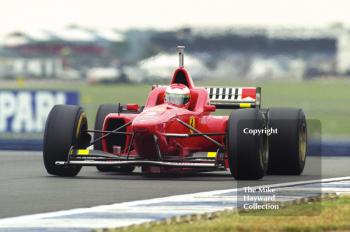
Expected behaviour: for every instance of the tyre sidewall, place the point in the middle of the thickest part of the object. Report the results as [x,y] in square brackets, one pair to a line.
[245,150]
[284,148]
[62,131]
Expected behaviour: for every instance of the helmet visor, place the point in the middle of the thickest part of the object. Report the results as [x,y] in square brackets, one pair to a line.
[177,99]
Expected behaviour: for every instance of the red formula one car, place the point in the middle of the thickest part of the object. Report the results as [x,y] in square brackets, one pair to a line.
[176,132]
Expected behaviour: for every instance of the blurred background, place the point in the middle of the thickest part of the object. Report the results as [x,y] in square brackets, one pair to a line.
[94,52]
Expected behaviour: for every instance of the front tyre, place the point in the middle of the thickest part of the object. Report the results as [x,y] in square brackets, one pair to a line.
[247,153]
[64,128]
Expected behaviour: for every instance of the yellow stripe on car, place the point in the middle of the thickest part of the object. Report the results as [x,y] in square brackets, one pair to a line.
[82,152]
[211,154]
[245,105]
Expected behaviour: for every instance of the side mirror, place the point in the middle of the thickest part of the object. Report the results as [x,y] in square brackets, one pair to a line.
[132,107]
[209,108]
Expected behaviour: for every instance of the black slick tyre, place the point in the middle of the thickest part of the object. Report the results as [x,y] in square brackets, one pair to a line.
[63,130]
[247,153]
[287,148]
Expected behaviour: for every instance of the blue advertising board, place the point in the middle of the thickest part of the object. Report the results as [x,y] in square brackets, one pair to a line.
[25,111]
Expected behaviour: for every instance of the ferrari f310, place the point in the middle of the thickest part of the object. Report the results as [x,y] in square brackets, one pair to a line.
[177,131]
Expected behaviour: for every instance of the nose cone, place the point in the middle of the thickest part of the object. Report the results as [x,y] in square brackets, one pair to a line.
[148,120]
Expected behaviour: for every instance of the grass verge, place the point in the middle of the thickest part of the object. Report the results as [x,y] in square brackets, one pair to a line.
[334,216]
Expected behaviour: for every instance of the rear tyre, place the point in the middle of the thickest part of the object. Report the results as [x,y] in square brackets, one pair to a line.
[247,153]
[288,148]
[102,112]
[63,130]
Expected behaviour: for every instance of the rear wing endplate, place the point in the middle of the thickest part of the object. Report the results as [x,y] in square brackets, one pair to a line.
[234,97]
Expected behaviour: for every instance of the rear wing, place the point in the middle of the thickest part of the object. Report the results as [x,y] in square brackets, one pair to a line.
[234,97]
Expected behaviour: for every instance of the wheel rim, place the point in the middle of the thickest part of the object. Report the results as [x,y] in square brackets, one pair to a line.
[264,148]
[263,152]
[302,143]
[81,125]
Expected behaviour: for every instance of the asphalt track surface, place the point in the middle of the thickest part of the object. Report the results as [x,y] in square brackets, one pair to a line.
[26,188]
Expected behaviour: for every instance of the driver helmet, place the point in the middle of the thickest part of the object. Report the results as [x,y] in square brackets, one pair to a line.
[178,95]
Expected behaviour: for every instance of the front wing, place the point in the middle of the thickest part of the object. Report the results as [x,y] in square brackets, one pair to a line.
[85,157]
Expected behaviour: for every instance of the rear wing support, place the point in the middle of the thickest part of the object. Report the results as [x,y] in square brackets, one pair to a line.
[234,97]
